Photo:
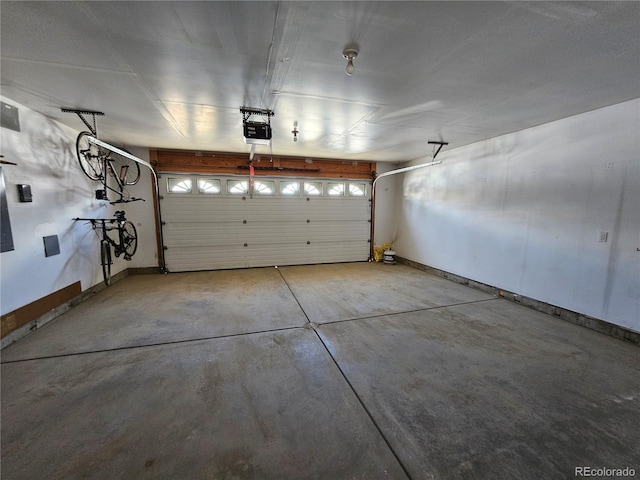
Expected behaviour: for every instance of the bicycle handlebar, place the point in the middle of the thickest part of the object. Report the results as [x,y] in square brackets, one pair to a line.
[127,200]
[118,217]
[111,220]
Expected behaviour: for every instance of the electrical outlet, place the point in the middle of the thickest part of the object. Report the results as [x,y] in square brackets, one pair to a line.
[603,236]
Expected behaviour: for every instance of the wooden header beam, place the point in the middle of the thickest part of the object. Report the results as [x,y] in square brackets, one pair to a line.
[181,161]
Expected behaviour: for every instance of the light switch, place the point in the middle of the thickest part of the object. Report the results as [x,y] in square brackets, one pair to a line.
[24,191]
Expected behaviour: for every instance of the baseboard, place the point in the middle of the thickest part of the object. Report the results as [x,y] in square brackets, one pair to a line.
[591,323]
[144,271]
[37,314]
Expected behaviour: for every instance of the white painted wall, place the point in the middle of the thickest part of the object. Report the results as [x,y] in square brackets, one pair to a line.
[523,212]
[385,227]
[142,214]
[45,153]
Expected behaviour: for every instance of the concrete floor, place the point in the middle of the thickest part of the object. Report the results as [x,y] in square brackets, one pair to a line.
[347,371]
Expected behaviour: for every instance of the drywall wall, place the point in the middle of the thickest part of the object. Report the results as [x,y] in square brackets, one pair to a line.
[44,151]
[142,215]
[551,212]
[385,227]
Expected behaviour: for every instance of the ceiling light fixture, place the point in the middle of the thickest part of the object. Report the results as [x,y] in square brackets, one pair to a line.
[350,54]
[295,131]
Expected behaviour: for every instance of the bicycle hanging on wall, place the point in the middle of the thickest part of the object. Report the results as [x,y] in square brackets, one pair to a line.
[100,160]
[126,243]
[100,164]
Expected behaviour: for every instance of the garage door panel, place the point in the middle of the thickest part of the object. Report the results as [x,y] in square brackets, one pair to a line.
[274,208]
[303,254]
[217,235]
[195,258]
[238,256]
[333,233]
[225,230]
[331,252]
[196,210]
[346,209]
[258,209]
[208,210]
[183,235]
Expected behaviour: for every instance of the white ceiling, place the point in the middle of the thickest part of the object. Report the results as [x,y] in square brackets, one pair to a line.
[174,74]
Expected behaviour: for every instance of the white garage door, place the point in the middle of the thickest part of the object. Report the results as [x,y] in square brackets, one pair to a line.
[217,222]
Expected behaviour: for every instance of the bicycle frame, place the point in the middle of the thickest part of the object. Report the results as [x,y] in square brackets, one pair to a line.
[109,168]
[126,244]
[105,235]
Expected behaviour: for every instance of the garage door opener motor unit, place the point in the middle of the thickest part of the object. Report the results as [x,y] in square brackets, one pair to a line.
[256,133]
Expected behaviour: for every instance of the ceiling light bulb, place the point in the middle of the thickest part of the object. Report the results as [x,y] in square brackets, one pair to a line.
[350,67]
[350,54]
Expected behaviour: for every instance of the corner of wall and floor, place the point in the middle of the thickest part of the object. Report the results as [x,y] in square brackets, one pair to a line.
[591,323]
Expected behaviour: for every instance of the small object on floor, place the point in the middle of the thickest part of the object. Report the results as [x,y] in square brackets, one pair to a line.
[389,257]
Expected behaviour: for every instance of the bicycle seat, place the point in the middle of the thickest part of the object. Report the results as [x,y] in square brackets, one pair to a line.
[119,215]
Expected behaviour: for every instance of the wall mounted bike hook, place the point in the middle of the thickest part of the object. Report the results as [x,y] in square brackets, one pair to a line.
[439,148]
[82,113]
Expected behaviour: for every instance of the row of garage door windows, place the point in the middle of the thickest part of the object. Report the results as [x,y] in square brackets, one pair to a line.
[214,186]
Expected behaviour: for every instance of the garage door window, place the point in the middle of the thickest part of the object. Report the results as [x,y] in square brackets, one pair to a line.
[263,187]
[313,188]
[238,187]
[335,189]
[179,185]
[209,186]
[357,189]
[289,188]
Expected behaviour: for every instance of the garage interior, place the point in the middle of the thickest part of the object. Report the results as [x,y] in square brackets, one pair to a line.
[492,149]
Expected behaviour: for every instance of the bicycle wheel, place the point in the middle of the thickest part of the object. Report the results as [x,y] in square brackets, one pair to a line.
[89,157]
[129,240]
[105,258]
[127,170]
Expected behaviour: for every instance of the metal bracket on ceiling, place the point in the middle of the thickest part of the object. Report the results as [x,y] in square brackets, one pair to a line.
[82,113]
[439,148]
[247,112]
